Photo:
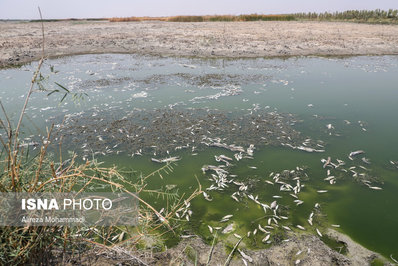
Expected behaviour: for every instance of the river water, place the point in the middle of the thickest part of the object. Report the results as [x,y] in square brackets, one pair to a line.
[135,108]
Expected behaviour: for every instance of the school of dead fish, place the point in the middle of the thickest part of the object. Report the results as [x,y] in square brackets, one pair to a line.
[161,132]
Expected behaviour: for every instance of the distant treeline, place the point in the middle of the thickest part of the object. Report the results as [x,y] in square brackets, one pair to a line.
[377,15]
[369,16]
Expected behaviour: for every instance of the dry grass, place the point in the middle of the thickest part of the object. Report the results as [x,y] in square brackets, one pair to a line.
[24,170]
[251,17]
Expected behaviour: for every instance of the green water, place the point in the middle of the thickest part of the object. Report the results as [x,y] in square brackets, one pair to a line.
[354,89]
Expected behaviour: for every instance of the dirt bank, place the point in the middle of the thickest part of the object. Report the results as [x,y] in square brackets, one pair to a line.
[300,250]
[20,41]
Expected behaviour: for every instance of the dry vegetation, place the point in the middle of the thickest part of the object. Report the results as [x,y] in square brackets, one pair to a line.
[40,170]
[252,17]
[368,16]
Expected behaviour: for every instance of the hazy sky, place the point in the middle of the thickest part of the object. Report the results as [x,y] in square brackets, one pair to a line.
[27,9]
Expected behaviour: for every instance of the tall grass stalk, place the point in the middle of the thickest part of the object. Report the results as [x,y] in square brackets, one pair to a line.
[26,172]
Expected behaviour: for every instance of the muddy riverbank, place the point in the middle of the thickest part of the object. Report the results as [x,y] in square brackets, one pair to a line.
[300,250]
[20,42]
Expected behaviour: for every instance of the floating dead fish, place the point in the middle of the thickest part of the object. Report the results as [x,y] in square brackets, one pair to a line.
[228,229]
[286,227]
[366,160]
[262,229]
[227,216]
[206,196]
[308,149]
[375,188]
[329,178]
[265,239]
[327,162]
[237,236]
[250,150]
[235,198]
[335,225]
[300,227]
[354,153]
[210,229]
[166,160]
[322,191]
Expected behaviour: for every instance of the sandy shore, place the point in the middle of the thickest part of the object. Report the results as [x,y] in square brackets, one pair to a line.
[21,42]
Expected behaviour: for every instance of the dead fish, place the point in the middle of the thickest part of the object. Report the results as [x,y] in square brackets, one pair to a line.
[375,188]
[235,198]
[365,160]
[237,236]
[330,126]
[300,227]
[286,227]
[262,229]
[228,229]
[245,256]
[327,162]
[210,229]
[335,225]
[227,217]
[206,196]
[322,191]
[354,153]
[265,239]
[318,232]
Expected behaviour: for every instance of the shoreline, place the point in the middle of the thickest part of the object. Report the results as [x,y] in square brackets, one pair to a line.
[302,249]
[21,42]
